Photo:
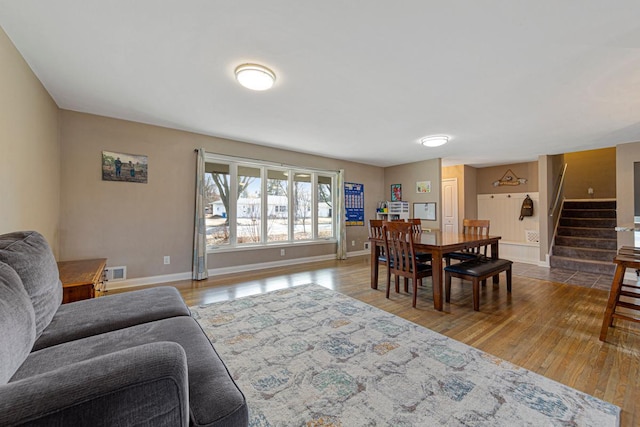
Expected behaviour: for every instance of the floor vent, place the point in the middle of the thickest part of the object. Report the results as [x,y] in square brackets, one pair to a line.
[116,274]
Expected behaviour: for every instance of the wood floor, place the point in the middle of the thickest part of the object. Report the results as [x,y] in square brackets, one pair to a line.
[546,327]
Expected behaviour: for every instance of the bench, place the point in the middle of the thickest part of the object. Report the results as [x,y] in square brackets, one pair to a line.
[477,270]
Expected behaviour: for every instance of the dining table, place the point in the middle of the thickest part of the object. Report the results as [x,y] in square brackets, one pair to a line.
[437,243]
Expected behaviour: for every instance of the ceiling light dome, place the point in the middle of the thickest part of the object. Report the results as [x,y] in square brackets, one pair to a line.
[434,141]
[255,77]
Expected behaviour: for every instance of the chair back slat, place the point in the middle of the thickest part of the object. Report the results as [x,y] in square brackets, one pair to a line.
[375,229]
[416,224]
[399,236]
[477,227]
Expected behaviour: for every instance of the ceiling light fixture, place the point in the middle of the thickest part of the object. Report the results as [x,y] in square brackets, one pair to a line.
[434,141]
[255,77]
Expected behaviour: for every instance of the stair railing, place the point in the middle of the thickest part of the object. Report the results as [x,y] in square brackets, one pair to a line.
[559,189]
[556,207]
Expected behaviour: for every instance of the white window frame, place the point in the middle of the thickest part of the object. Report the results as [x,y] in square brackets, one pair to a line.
[234,163]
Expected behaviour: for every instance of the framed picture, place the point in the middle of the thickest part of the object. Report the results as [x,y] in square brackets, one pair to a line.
[396,192]
[124,167]
[423,187]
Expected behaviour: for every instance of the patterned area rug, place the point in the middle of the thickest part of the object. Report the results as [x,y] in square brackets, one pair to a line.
[308,356]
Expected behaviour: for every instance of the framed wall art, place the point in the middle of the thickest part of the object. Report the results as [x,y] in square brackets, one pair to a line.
[423,187]
[124,167]
[396,192]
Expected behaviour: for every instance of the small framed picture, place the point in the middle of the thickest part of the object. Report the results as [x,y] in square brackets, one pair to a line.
[396,192]
[423,187]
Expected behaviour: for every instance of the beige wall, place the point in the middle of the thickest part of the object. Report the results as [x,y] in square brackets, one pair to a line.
[487,176]
[407,175]
[626,156]
[138,224]
[592,168]
[30,172]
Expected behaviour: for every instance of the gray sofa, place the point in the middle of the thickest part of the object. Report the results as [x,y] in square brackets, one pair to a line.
[135,358]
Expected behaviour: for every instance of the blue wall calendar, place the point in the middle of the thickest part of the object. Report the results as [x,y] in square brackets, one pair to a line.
[354,203]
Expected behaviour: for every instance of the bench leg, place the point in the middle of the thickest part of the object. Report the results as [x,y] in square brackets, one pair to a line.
[476,294]
[509,279]
[447,287]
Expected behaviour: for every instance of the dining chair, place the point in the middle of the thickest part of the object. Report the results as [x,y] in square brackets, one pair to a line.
[402,260]
[416,224]
[416,227]
[476,270]
[376,232]
[479,227]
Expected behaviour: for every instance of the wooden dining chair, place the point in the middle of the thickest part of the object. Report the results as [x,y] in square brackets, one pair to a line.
[416,227]
[376,232]
[402,260]
[478,227]
[416,224]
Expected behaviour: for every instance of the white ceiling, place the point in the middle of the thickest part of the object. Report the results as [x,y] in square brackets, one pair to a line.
[359,80]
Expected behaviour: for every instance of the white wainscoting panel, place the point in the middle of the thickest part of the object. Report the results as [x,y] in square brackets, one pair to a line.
[520,239]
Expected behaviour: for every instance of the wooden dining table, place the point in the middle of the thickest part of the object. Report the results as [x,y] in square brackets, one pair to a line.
[437,243]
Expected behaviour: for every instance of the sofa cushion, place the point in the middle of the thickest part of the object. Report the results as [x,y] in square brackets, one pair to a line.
[214,398]
[29,254]
[17,323]
[105,314]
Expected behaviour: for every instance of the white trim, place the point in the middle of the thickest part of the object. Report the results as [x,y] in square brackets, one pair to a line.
[358,253]
[152,280]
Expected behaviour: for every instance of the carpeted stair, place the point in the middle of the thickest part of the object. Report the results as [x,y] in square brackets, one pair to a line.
[586,237]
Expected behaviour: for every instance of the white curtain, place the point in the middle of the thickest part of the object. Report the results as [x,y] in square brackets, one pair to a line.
[341,231]
[200,226]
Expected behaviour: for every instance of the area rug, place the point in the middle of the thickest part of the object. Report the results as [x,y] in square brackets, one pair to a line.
[309,356]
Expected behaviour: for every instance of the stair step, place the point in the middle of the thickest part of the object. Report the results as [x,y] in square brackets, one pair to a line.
[589,204]
[597,267]
[606,233]
[588,213]
[587,242]
[588,222]
[585,253]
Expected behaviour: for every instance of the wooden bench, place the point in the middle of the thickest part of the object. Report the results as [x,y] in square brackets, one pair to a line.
[477,270]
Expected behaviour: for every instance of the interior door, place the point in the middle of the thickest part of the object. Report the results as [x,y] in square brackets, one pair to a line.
[450,205]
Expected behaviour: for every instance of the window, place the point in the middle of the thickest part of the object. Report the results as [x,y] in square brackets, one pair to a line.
[252,203]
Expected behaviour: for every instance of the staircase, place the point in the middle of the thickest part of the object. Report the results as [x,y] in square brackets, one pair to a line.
[586,238]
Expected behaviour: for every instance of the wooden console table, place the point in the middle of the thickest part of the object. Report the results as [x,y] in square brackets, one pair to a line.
[81,278]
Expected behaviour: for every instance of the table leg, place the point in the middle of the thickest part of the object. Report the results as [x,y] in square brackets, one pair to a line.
[375,253]
[436,277]
[614,295]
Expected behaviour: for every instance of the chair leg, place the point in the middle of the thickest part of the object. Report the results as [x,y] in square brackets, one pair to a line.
[415,290]
[406,284]
[476,294]
[447,287]
[397,283]
[388,286]
[388,276]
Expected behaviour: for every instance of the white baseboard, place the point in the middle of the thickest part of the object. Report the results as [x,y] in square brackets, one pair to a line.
[152,280]
[358,253]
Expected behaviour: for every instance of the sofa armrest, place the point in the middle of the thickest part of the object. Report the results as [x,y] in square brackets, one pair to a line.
[146,384]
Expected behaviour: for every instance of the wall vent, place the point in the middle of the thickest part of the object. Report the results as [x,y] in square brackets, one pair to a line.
[116,274]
